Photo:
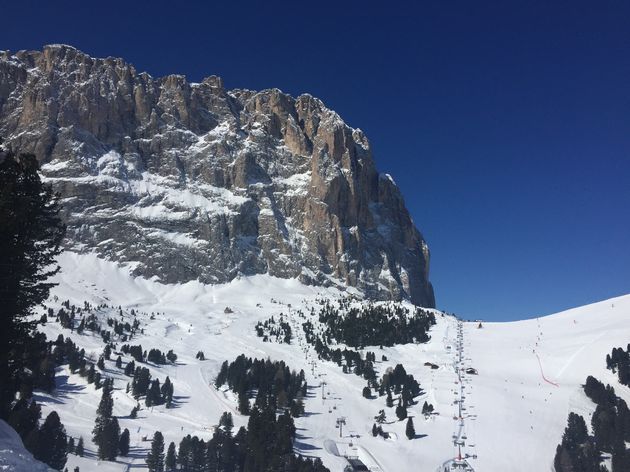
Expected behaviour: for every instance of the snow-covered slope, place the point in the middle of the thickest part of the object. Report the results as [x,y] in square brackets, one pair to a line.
[514,418]
[13,455]
[522,404]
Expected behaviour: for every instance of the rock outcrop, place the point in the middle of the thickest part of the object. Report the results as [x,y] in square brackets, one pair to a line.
[191,181]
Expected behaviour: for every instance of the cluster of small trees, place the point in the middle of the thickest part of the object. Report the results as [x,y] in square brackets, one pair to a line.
[68,314]
[611,430]
[349,360]
[265,446]
[619,361]
[154,355]
[158,357]
[427,409]
[121,329]
[143,384]
[377,429]
[275,384]
[577,450]
[276,330]
[134,351]
[65,351]
[374,325]
[402,384]
[394,380]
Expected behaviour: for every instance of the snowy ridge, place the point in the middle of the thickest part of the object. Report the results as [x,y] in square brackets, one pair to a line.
[511,410]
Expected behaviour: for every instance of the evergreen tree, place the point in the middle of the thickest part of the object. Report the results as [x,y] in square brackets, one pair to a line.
[576,451]
[167,392]
[79,451]
[29,243]
[24,418]
[53,442]
[123,443]
[297,407]
[91,374]
[154,395]
[226,422]
[243,403]
[401,411]
[109,441]
[155,458]
[170,463]
[410,431]
[620,456]
[389,402]
[106,432]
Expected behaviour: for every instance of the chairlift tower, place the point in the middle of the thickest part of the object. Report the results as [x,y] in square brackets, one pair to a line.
[340,422]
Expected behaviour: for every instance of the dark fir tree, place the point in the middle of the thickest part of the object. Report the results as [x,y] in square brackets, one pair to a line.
[389,401]
[167,392]
[401,411]
[226,423]
[79,451]
[123,443]
[109,443]
[106,432]
[410,431]
[155,457]
[29,243]
[170,463]
[24,418]
[577,451]
[53,442]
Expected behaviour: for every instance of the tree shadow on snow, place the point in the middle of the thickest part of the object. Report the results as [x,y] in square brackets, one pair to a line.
[63,391]
[138,453]
[177,401]
[300,446]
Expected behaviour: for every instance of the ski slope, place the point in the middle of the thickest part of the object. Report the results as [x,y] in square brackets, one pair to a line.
[514,418]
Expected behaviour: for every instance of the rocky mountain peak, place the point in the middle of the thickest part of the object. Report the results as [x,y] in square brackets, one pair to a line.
[189,181]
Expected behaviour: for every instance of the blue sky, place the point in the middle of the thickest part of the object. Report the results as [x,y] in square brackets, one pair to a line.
[506,124]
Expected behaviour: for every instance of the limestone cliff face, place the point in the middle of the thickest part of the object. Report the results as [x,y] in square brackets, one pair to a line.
[193,181]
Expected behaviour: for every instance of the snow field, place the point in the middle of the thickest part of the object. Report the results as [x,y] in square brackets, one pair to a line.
[516,410]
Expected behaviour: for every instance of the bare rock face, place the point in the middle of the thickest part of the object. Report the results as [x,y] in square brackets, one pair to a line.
[192,181]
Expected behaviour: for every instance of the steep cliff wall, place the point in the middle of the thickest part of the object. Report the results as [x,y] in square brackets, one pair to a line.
[194,181]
